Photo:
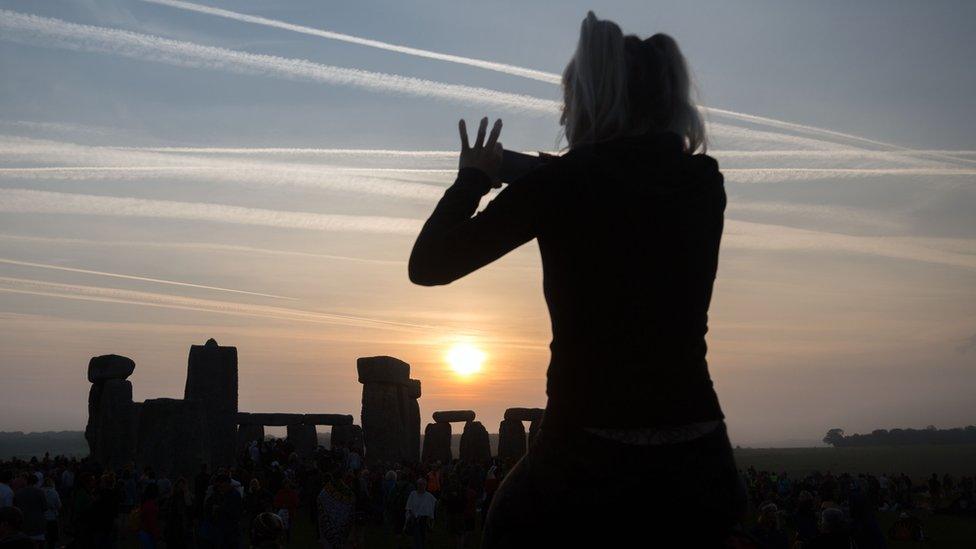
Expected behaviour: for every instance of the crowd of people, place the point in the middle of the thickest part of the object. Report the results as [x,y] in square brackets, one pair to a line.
[823,510]
[71,502]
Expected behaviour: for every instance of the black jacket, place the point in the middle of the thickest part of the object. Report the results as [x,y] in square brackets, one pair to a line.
[629,233]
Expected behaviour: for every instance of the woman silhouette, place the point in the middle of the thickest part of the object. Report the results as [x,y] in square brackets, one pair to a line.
[628,221]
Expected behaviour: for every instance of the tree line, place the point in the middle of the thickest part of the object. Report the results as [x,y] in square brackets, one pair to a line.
[901,437]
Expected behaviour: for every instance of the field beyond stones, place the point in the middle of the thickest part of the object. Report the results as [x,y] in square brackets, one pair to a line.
[918,461]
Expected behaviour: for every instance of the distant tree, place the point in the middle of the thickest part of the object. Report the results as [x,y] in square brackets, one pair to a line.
[834,437]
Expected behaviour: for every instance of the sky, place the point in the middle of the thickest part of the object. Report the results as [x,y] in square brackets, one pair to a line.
[256,172]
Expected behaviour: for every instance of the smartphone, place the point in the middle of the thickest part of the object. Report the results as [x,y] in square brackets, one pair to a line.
[516,164]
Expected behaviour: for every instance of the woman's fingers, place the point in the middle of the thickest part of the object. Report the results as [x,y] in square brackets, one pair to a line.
[463,129]
[496,130]
[482,129]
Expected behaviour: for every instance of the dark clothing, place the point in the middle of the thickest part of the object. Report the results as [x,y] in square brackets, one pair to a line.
[32,503]
[16,540]
[574,489]
[629,234]
[224,511]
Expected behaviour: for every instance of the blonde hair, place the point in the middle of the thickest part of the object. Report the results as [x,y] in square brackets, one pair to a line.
[617,86]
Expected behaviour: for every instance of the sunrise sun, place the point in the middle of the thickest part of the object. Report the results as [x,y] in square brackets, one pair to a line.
[465,359]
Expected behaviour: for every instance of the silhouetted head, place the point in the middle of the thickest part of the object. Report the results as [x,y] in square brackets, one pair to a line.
[617,86]
[421,485]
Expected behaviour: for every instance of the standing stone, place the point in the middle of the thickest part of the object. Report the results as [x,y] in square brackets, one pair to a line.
[454,416]
[524,414]
[390,415]
[511,439]
[113,432]
[172,433]
[383,423]
[304,438]
[411,426]
[211,379]
[91,429]
[105,367]
[247,434]
[345,436]
[475,444]
[437,443]
[534,430]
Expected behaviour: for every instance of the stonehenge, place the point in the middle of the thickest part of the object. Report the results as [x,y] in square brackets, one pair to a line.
[437,443]
[511,439]
[350,436]
[390,414]
[475,445]
[211,379]
[172,436]
[454,416]
[176,436]
[511,432]
[111,413]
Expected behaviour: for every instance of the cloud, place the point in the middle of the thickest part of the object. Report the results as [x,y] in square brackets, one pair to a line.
[195,246]
[268,175]
[940,251]
[542,76]
[137,278]
[149,299]
[30,201]
[56,33]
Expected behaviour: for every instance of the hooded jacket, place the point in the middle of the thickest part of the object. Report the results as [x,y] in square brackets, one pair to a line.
[629,234]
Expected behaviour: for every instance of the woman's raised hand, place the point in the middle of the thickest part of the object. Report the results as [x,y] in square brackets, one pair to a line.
[484,155]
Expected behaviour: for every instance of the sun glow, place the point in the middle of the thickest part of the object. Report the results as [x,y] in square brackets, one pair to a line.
[465,359]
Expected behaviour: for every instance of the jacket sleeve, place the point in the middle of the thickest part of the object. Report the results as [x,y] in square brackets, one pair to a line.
[452,243]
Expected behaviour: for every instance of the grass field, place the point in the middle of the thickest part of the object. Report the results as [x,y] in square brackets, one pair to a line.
[915,461]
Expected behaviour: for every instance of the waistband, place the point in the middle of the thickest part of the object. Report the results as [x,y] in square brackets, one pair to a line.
[653,436]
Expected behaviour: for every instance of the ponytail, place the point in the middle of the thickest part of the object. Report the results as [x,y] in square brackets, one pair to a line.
[617,86]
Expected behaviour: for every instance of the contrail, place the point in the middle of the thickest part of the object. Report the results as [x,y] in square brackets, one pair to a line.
[330,179]
[49,32]
[149,299]
[139,278]
[542,76]
[778,175]
[30,201]
[321,33]
[325,179]
[759,236]
[195,246]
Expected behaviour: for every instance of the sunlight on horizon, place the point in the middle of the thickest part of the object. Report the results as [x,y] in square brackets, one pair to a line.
[465,359]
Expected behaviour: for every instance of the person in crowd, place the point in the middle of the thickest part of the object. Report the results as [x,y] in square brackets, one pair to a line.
[52,531]
[149,532]
[286,503]
[453,501]
[804,518]
[178,514]
[32,502]
[907,528]
[257,500]
[419,515]
[768,530]
[6,492]
[266,531]
[105,510]
[834,531]
[336,504]
[12,534]
[224,509]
